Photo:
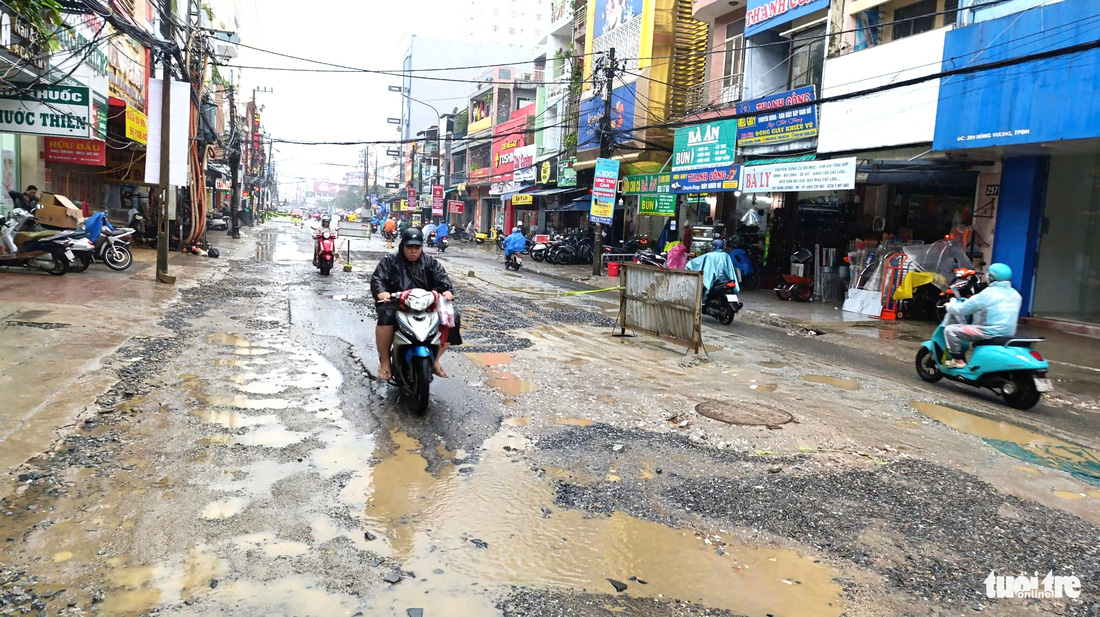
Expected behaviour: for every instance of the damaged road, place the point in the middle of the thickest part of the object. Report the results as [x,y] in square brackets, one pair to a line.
[247,462]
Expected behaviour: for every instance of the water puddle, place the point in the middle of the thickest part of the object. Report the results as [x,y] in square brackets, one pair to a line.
[509,384]
[271,545]
[230,362]
[240,401]
[62,556]
[271,436]
[261,387]
[1070,495]
[231,340]
[836,382]
[472,519]
[574,422]
[764,387]
[1020,443]
[490,359]
[518,421]
[227,508]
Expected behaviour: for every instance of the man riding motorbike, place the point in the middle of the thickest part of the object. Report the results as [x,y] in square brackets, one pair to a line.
[716,267]
[443,231]
[326,223]
[514,243]
[995,310]
[409,268]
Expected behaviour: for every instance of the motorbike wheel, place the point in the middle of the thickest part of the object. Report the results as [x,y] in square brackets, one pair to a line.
[82,262]
[1024,396]
[422,380]
[783,294]
[927,367]
[802,292]
[727,314]
[60,264]
[750,281]
[118,257]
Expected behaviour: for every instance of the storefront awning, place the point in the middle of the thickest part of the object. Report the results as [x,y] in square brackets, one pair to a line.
[780,159]
[555,191]
[577,205]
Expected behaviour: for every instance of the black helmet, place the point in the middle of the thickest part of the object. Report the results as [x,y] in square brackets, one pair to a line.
[412,237]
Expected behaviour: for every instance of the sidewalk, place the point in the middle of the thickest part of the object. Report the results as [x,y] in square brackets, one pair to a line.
[1075,359]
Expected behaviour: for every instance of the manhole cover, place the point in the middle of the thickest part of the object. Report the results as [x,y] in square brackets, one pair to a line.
[743,413]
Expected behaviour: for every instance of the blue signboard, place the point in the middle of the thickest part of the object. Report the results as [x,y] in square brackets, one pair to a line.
[1043,100]
[604,186]
[611,14]
[779,120]
[763,15]
[623,100]
[708,180]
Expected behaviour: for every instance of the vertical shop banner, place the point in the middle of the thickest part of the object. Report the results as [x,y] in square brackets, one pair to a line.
[437,200]
[410,204]
[76,151]
[178,133]
[455,206]
[830,175]
[778,124]
[603,191]
[623,101]
[137,126]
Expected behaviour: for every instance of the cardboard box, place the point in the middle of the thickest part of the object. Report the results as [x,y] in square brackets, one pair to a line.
[58,211]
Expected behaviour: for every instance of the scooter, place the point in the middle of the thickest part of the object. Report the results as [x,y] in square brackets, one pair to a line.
[494,235]
[966,284]
[416,345]
[514,262]
[113,248]
[1006,365]
[325,253]
[722,302]
[42,250]
[442,244]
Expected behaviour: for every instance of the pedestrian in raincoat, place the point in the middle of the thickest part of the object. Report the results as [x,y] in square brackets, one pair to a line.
[677,256]
[514,243]
[443,231]
[994,312]
[402,225]
[716,266]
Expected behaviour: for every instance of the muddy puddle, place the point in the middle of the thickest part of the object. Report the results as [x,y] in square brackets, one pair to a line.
[509,384]
[457,529]
[836,382]
[1020,443]
[574,422]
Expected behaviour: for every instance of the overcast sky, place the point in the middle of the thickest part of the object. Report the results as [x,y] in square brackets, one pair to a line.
[315,106]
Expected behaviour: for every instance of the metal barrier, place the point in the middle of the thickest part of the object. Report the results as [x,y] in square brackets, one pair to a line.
[354,229]
[662,303]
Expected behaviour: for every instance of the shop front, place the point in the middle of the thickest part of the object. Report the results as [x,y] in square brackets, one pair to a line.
[649,197]
[704,172]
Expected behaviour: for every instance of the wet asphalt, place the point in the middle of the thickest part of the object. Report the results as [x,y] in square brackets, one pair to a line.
[252,465]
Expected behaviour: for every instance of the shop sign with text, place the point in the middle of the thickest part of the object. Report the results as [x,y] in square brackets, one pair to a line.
[705,146]
[567,176]
[763,15]
[548,171]
[455,206]
[830,175]
[523,199]
[778,122]
[76,151]
[137,126]
[129,76]
[708,180]
[512,136]
[411,192]
[643,184]
[437,200]
[657,205]
[61,111]
[604,185]
[525,169]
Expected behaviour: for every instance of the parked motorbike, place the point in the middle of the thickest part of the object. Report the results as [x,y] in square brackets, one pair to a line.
[1006,365]
[416,345]
[113,248]
[647,257]
[325,251]
[42,250]
[494,235]
[217,223]
[801,288]
[967,283]
[514,262]
[722,302]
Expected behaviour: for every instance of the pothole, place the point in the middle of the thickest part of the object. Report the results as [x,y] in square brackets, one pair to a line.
[744,413]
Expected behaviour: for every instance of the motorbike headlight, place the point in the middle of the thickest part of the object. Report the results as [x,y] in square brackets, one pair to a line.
[418,302]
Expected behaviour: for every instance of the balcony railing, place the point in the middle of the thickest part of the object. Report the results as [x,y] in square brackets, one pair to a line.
[716,94]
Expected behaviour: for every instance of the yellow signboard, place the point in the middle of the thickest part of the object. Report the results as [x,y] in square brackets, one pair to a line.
[137,126]
[523,199]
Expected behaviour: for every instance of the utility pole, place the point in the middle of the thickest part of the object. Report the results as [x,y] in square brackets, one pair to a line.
[606,143]
[168,31]
[234,168]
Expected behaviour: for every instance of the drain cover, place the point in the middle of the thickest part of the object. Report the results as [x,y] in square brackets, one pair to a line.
[744,413]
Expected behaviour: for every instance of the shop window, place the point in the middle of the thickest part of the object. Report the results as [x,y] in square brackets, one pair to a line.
[915,18]
[807,58]
[733,62]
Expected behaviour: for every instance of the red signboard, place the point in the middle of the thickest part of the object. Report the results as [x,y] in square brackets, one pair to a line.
[437,200]
[510,135]
[412,197]
[455,207]
[480,175]
[76,151]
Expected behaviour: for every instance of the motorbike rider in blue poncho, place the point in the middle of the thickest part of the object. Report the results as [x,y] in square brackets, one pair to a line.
[994,312]
[514,243]
[716,266]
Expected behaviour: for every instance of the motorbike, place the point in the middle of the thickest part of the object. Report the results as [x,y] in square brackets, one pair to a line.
[442,244]
[494,235]
[217,223]
[42,250]
[1006,365]
[113,248]
[722,302]
[514,262]
[416,345]
[647,257]
[801,288]
[966,284]
[325,251]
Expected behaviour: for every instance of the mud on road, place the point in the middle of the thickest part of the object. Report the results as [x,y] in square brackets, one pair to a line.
[251,465]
